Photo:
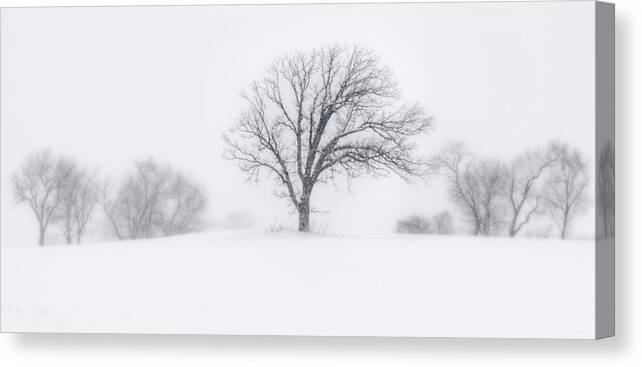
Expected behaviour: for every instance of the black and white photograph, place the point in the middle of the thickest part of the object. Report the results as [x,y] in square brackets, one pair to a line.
[331,169]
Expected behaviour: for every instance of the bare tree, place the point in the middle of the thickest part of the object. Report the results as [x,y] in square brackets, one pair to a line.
[38,184]
[476,187]
[134,210]
[490,177]
[566,193]
[86,200]
[79,195]
[524,194]
[154,201]
[319,114]
[606,190]
[184,206]
[67,195]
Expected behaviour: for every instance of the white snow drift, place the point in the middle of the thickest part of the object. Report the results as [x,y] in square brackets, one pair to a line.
[288,283]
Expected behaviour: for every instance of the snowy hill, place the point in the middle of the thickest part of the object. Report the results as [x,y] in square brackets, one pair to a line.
[289,283]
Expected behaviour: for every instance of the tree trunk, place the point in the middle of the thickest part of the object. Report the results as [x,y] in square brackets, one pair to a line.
[564,225]
[512,230]
[304,216]
[41,237]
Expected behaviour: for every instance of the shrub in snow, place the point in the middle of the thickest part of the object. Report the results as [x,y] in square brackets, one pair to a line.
[414,224]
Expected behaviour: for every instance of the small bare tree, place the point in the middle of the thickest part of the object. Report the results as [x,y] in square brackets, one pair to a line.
[133,211]
[524,194]
[319,114]
[79,195]
[38,184]
[67,196]
[606,190]
[87,198]
[566,188]
[476,187]
[490,177]
[152,201]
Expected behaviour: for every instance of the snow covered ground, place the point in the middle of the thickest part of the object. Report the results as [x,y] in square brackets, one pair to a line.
[288,283]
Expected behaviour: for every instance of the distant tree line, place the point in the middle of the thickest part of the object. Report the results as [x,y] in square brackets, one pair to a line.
[496,197]
[153,200]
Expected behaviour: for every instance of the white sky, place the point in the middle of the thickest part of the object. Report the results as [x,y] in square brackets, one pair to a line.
[111,85]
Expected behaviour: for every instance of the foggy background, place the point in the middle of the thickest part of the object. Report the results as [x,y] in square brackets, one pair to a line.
[108,86]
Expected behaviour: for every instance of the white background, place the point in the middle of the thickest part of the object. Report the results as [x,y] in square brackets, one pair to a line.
[101,72]
[107,350]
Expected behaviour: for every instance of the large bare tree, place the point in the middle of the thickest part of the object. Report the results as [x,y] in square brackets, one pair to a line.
[566,187]
[524,189]
[39,184]
[154,200]
[476,187]
[323,113]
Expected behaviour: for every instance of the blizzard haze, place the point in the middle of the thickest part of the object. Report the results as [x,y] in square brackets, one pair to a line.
[110,85]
